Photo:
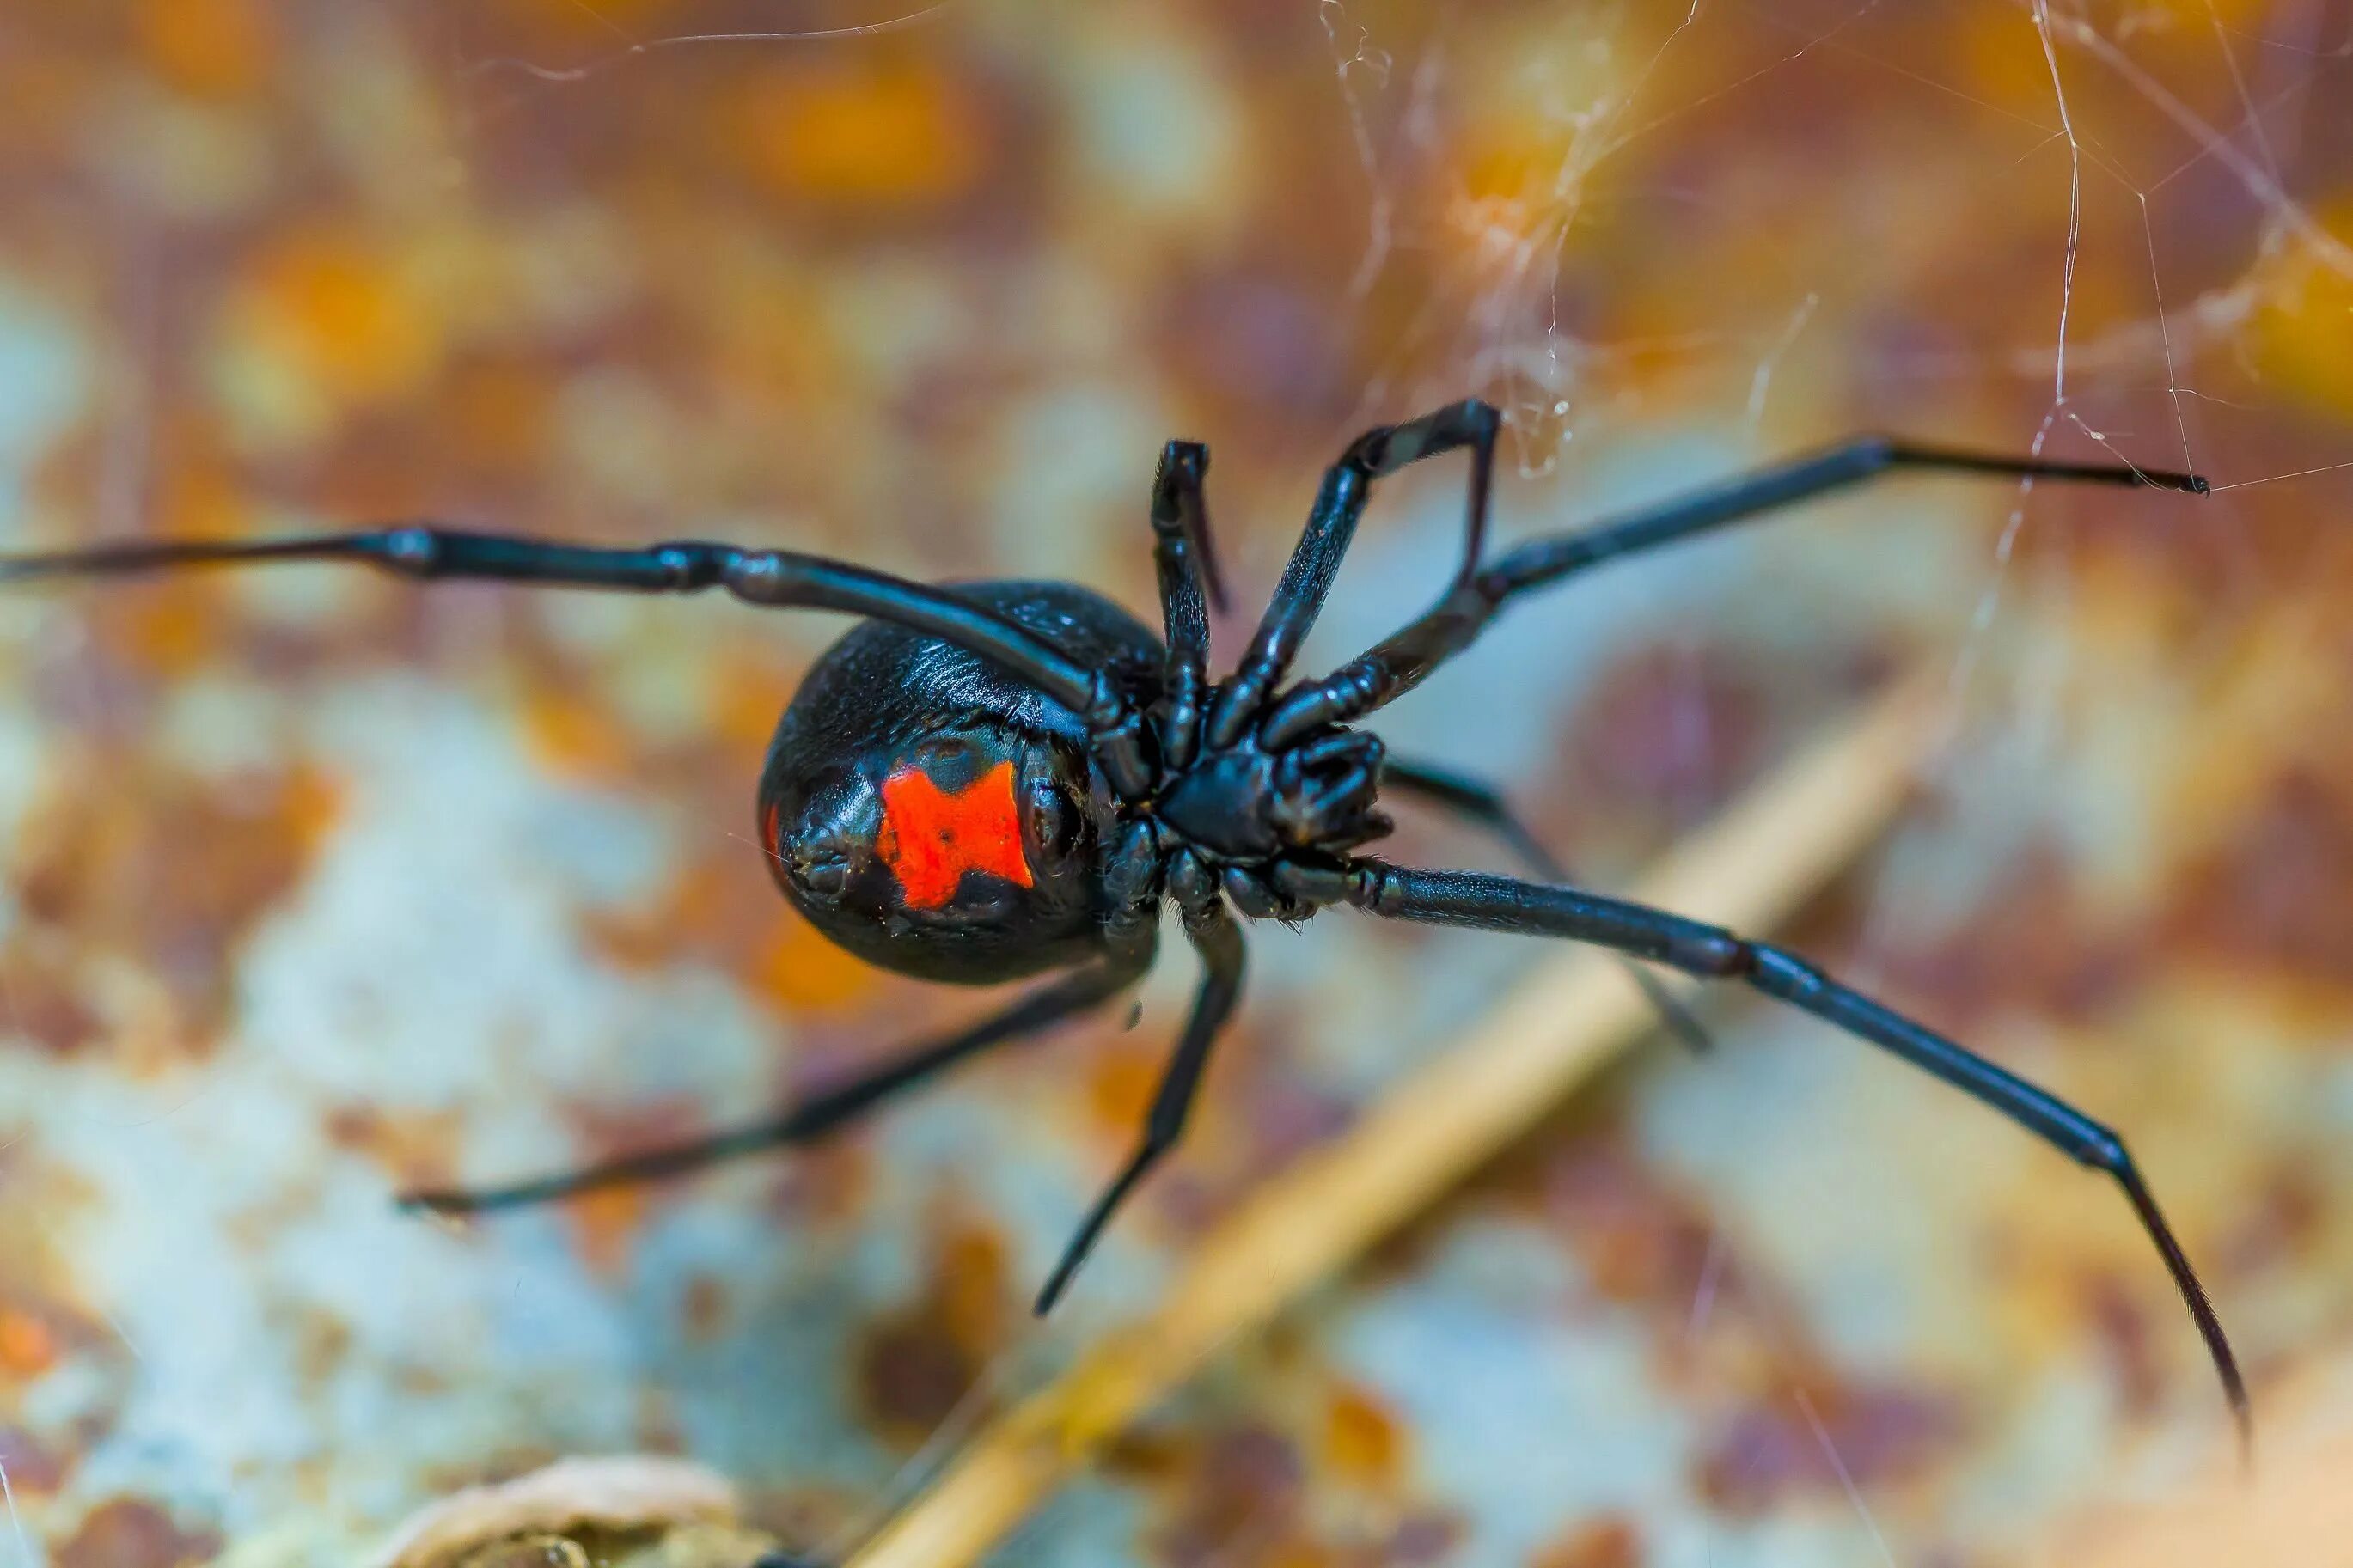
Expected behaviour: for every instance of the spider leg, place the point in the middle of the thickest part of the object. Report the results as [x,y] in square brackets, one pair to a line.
[1475,801]
[1396,666]
[1033,1015]
[1219,940]
[1180,532]
[1187,564]
[770,577]
[1502,903]
[1332,523]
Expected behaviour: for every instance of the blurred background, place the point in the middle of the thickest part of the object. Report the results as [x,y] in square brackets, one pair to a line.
[318,886]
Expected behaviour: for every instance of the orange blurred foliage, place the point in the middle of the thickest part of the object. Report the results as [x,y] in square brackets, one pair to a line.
[862,133]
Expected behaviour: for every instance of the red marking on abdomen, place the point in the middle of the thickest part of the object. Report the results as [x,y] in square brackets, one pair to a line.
[769,830]
[930,838]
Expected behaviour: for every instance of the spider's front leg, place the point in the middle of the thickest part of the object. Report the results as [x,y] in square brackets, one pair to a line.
[1332,524]
[1479,596]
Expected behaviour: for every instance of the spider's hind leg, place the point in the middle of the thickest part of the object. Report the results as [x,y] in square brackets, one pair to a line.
[1219,940]
[1483,804]
[813,1119]
[1711,953]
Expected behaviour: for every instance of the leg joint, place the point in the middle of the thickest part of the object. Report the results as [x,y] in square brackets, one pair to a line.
[2102,1149]
[1183,466]
[413,550]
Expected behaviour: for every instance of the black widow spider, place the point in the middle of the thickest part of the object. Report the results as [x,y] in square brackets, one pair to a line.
[988,781]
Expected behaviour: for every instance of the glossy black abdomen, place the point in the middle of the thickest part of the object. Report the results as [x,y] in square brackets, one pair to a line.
[934,815]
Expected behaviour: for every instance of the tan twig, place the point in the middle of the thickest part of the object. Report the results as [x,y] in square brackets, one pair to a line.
[1749,870]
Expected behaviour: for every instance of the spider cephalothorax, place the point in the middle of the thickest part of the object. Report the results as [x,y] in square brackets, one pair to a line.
[984,782]
[1246,805]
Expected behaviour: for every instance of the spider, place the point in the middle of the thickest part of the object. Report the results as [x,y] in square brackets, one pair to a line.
[984,782]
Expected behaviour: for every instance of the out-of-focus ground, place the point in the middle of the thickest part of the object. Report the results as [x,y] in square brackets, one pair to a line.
[316,886]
